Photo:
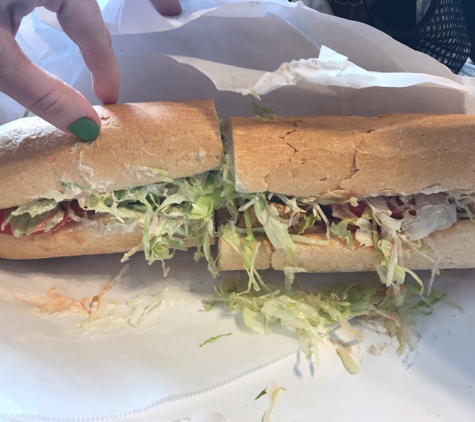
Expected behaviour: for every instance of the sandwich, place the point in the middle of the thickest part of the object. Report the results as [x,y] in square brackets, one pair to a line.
[150,182]
[390,194]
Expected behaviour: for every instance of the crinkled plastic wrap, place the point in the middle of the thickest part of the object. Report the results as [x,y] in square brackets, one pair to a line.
[300,62]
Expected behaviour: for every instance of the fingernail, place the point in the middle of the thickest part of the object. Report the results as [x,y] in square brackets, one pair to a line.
[85,129]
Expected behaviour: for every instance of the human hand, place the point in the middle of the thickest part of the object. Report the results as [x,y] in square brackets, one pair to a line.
[44,94]
[167,7]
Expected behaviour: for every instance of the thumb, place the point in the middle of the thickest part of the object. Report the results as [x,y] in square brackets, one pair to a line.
[45,95]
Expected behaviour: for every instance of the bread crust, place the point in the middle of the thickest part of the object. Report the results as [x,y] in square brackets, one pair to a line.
[331,157]
[84,238]
[181,138]
[456,245]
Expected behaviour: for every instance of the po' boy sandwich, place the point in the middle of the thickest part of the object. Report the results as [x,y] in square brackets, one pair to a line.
[333,194]
[149,182]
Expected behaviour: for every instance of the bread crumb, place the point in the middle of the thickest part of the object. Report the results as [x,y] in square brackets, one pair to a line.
[373,350]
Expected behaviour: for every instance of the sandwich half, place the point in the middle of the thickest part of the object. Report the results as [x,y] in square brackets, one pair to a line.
[149,182]
[393,194]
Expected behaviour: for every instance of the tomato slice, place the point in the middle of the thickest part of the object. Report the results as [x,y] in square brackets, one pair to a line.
[74,206]
[7,229]
[65,222]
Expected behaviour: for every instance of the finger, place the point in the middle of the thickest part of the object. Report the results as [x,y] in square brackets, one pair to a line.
[43,94]
[82,22]
[167,7]
[13,12]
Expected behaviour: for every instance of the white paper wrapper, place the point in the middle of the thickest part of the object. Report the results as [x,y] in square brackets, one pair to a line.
[253,37]
[300,62]
[433,383]
[52,366]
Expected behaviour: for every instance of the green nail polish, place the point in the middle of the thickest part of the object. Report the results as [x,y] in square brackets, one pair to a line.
[84,129]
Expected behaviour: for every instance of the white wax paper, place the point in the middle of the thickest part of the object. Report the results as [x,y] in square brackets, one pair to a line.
[300,62]
[253,37]
[50,366]
[432,384]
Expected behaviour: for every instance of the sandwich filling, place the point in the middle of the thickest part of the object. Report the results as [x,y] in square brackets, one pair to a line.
[169,212]
[43,217]
[385,224]
[172,211]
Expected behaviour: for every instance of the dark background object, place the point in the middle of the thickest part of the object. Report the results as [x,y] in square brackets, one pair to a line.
[469,8]
[446,32]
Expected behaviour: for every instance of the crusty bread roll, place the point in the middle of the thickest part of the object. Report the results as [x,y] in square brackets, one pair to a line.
[75,239]
[330,157]
[181,138]
[359,157]
[89,237]
[456,246]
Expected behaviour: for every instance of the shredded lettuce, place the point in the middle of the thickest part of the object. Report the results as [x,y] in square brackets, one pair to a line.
[248,249]
[289,273]
[349,363]
[308,314]
[56,218]
[464,201]
[313,314]
[37,208]
[417,216]
[170,212]
[274,391]
[364,234]
[213,339]
[263,114]
[433,212]
[33,219]
[341,230]
[318,211]
[307,222]
[208,306]
[276,230]
[391,266]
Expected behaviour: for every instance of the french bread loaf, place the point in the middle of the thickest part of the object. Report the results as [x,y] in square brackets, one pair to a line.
[181,138]
[331,157]
[89,237]
[456,246]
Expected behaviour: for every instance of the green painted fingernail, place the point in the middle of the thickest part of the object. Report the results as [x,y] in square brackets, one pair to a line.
[85,129]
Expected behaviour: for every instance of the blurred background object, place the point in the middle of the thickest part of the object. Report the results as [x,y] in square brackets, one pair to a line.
[443,29]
